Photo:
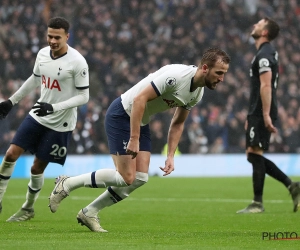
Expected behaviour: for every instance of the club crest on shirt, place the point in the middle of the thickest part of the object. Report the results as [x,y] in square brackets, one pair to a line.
[125,144]
[263,63]
[84,72]
[171,81]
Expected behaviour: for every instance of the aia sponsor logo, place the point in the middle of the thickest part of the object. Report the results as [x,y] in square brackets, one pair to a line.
[50,84]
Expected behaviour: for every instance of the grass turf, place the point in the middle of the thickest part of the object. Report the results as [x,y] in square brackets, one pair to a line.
[167,213]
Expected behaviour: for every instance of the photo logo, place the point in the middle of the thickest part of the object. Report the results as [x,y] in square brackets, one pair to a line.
[280,236]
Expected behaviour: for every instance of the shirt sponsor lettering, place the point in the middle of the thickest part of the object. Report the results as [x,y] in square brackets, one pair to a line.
[50,84]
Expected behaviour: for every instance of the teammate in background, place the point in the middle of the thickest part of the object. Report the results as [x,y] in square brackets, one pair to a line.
[172,86]
[62,74]
[263,114]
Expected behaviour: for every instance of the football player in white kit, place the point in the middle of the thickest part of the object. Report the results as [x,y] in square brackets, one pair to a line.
[62,74]
[126,123]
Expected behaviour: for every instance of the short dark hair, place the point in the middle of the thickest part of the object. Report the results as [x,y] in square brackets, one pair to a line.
[212,55]
[59,23]
[272,27]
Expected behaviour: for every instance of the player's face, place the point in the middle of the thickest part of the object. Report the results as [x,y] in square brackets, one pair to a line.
[216,74]
[57,40]
[258,29]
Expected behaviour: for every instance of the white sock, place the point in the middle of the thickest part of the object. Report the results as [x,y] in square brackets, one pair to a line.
[6,170]
[34,187]
[99,179]
[115,194]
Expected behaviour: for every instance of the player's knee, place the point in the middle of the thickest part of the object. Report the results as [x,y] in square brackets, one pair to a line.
[36,170]
[128,178]
[250,157]
[143,177]
[12,154]
[254,158]
[140,180]
[137,180]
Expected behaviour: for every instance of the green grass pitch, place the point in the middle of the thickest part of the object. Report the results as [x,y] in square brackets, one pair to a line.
[167,213]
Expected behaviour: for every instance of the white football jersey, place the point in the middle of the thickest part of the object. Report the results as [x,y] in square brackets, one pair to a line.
[60,79]
[172,84]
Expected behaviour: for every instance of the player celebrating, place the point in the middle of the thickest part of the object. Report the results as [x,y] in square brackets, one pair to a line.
[263,114]
[127,129]
[62,74]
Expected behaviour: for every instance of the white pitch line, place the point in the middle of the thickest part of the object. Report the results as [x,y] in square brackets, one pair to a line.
[220,200]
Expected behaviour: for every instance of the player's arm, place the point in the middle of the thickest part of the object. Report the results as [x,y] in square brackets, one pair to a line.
[81,98]
[81,82]
[266,98]
[174,134]
[43,108]
[31,83]
[137,112]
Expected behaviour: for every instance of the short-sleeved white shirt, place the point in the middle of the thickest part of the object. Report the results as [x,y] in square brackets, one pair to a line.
[60,79]
[172,83]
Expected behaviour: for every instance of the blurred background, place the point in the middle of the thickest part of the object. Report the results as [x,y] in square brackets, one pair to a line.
[125,40]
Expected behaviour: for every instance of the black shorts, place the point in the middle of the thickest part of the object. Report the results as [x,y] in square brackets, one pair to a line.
[117,127]
[48,145]
[257,134]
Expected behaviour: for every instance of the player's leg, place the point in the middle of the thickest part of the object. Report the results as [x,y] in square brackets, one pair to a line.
[36,182]
[258,174]
[258,179]
[117,126]
[88,216]
[273,171]
[257,140]
[293,187]
[35,185]
[115,194]
[23,139]
[98,179]
[118,132]
[48,146]
[126,166]
[7,167]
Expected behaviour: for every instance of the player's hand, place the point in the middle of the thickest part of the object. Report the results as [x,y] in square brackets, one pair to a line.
[42,109]
[133,147]
[169,166]
[269,125]
[5,107]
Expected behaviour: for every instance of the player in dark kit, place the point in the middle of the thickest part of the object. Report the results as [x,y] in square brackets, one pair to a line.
[262,115]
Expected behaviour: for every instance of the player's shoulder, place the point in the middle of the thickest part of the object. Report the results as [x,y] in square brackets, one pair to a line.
[266,48]
[75,53]
[44,51]
[179,74]
[180,68]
